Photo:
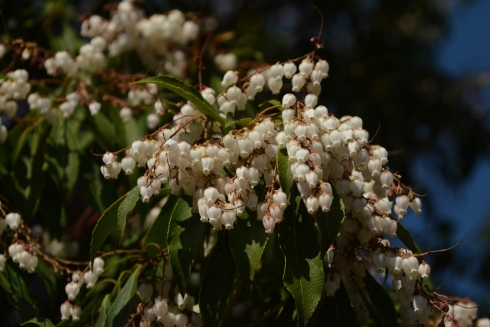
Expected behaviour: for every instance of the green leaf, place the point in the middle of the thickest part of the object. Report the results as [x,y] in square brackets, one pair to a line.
[337,310]
[158,231]
[17,292]
[184,237]
[125,208]
[230,121]
[217,285]
[381,300]
[187,92]
[404,236]
[104,307]
[303,273]
[20,144]
[330,222]
[243,122]
[110,219]
[106,130]
[247,243]
[123,298]
[284,171]
[42,322]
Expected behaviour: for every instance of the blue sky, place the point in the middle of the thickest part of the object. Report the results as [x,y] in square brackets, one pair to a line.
[466,51]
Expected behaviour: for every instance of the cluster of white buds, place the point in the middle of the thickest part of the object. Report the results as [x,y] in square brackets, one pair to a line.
[68,107]
[150,37]
[464,313]
[171,314]
[61,63]
[68,309]
[16,87]
[72,289]
[23,257]
[142,94]
[225,61]
[309,76]
[91,55]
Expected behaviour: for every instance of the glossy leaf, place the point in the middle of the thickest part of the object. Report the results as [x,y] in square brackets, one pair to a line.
[38,321]
[288,314]
[217,285]
[102,320]
[18,292]
[284,171]
[184,237]
[247,243]
[109,220]
[303,273]
[158,230]
[125,208]
[124,297]
[381,300]
[187,92]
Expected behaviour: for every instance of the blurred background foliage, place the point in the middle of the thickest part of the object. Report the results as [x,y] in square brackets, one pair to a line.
[383,68]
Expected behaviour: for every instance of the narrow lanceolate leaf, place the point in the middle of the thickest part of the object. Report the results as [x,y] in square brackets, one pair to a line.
[125,208]
[372,309]
[109,223]
[381,300]
[247,243]
[330,222]
[284,171]
[217,285]
[337,310]
[303,273]
[187,92]
[184,236]
[123,298]
[158,231]
[104,308]
[38,321]
[404,235]
[17,292]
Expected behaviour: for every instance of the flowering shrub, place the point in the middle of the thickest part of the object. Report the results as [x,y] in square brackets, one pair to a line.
[248,200]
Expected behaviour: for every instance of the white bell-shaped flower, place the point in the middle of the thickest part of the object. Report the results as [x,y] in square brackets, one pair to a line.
[419,303]
[311,100]
[298,81]
[65,310]
[277,71]
[275,85]
[98,267]
[424,270]
[288,100]
[90,278]
[269,224]
[416,206]
[72,289]
[13,220]
[257,82]
[75,312]
[229,78]
[306,67]
[324,67]
[312,204]
[289,69]
[181,320]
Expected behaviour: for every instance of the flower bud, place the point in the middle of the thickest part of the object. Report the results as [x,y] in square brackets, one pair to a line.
[289,69]
[230,78]
[13,220]
[65,310]
[288,100]
[72,289]
[75,312]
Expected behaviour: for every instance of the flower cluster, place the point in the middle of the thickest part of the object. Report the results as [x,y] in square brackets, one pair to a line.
[16,87]
[72,289]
